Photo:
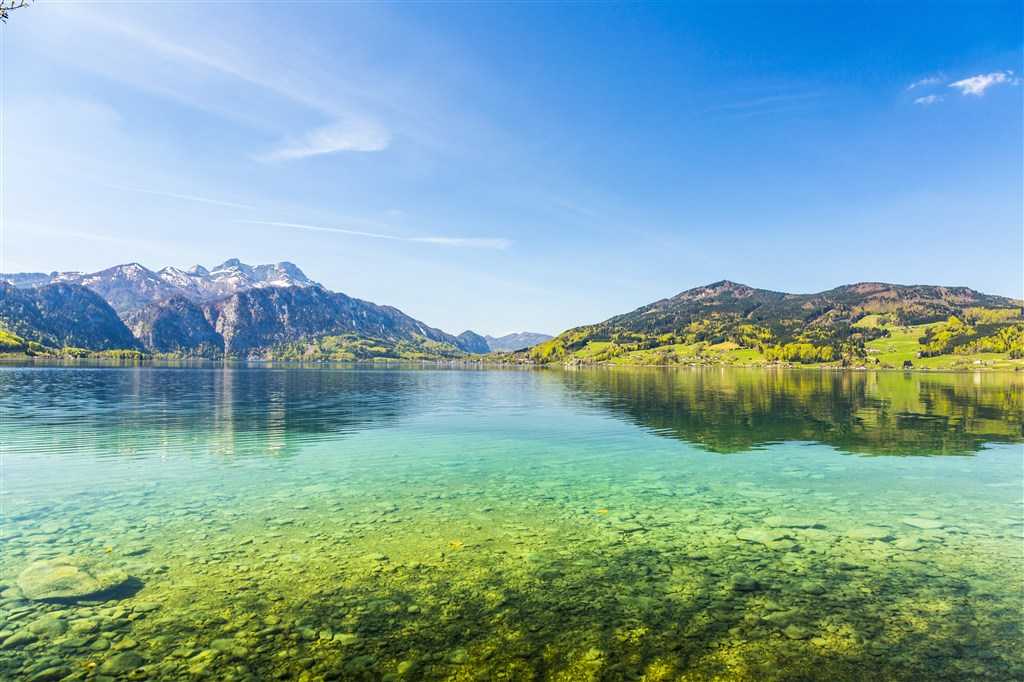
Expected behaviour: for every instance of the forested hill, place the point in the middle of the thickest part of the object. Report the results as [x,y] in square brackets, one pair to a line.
[731,322]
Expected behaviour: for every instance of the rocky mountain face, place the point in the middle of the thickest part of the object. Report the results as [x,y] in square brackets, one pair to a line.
[472,342]
[263,318]
[516,341]
[233,308]
[61,315]
[130,287]
[27,279]
[175,325]
[253,322]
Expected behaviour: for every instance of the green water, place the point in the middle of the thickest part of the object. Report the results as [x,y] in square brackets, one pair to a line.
[480,525]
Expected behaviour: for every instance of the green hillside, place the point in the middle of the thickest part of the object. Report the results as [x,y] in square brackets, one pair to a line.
[870,324]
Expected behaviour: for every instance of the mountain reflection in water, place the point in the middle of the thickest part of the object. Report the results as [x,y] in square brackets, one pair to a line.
[879,413]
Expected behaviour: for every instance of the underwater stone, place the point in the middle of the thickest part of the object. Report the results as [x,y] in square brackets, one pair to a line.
[84,625]
[124,662]
[68,578]
[74,642]
[229,646]
[12,593]
[743,583]
[782,618]
[796,632]
[908,544]
[870,533]
[760,535]
[922,523]
[791,522]
[18,639]
[48,626]
[56,672]
[344,638]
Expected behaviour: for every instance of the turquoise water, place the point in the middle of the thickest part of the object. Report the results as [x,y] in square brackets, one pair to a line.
[318,523]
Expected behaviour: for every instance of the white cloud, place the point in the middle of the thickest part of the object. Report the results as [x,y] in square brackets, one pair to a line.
[927,100]
[977,85]
[471,242]
[349,135]
[183,197]
[925,82]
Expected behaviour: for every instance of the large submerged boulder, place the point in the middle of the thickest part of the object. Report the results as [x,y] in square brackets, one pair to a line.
[69,578]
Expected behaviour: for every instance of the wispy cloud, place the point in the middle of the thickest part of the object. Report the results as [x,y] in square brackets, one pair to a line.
[183,197]
[977,85]
[471,242]
[229,65]
[926,82]
[928,100]
[350,135]
[769,101]
[355,128]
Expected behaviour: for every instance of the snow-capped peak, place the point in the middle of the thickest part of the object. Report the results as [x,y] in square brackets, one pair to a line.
[131,286]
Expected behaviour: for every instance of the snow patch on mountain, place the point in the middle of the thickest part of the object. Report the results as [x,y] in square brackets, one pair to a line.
[131,286]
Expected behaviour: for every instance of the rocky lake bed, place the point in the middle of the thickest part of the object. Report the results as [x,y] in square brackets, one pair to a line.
[458,546]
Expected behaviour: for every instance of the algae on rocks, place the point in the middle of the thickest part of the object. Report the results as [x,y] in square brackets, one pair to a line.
[68,578]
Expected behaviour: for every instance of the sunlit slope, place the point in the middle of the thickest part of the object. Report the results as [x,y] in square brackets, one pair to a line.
[875,324]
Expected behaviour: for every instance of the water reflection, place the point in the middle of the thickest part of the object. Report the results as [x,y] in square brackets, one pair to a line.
[879,413]
[259,411]
[221,411]
[453,525]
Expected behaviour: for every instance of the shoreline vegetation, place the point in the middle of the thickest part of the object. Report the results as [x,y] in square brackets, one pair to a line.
[952,345]
[959,364]
[862,326]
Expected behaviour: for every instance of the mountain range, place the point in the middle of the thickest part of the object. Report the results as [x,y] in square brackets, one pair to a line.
[515,341]
[130,287]
[231,309]
[735,323]
[276,312]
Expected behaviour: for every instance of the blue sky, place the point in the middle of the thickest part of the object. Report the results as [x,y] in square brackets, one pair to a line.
[506,167]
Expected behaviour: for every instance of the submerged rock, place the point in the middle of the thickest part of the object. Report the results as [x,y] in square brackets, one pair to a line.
[56,672]
[908,544]
[743,583]
[48,626]
[762,536]
[791,522]
[68,578]
[124,662]
[922,522]
[870,533]
[18,639]
[797,632]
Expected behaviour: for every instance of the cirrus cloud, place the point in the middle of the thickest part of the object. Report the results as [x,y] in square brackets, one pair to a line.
[499,243]
[350,135]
